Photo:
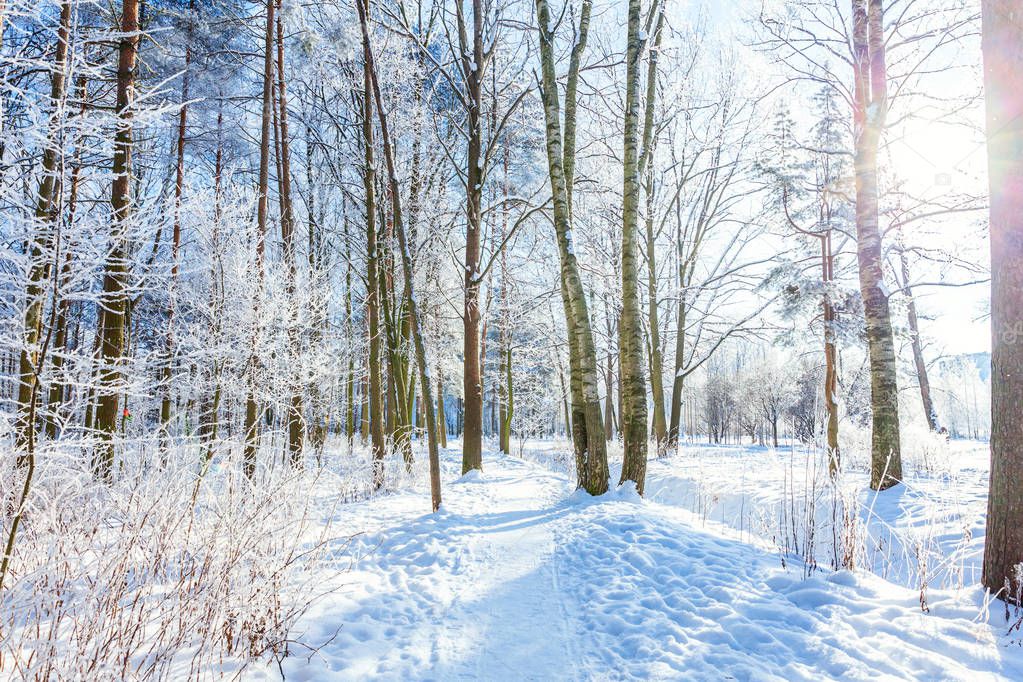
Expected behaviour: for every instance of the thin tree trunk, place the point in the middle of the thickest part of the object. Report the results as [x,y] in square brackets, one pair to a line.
[374,394]
[252,403]
[296,418]
[646,169]
[406,263]
[918,351]
[42,241]
[179,183]
[442,421]
[1003,77]
[58,394]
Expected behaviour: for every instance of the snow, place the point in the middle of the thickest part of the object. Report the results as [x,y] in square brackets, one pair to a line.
[519,576]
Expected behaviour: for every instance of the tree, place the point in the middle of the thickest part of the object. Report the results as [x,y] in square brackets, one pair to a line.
[1002,31]
[870,107]
[114,300]
[262,212]
[587,422]
[634,414]
[406,262]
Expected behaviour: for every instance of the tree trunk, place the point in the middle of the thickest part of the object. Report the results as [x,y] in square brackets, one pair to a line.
[646,169]
[296,417]
[114,299]
[43,238]
[179,184]
[918,351]
[869,111]
[634,416]
[587,420]
[251,402]
[406,264]
[58,394]
[374,394]
[472,63]
[1003,78]
[830,358]
[442,421]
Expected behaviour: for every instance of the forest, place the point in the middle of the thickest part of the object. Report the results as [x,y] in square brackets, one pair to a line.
[511,339]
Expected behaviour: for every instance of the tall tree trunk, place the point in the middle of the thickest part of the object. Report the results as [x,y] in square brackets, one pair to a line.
[114,299]
[660,427]
[406,265]
[42,243]
[375,390]
[209,412]
[472,65]
[830,356]
[869,112]
[296,418]
[252,403]
[634,416]
[1003,78]
[179,184]
[58,394]
[587,420]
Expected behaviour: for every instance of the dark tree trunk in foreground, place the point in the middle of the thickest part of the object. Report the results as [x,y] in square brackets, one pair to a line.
[1003,79]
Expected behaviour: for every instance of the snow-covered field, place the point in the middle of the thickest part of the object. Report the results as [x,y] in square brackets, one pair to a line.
[733,566]
[518,577]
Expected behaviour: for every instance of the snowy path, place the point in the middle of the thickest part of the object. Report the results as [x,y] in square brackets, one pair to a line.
[517,578]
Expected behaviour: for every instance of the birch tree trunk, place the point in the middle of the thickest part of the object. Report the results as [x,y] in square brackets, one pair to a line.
[1002,31]
[634,413]
[869,111]
[587,420]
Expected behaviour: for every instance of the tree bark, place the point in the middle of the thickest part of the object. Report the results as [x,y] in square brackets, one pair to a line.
[1002,40]
[918,351]
[869,111]
[374,394]
[114,299]
[42,241]
[406,264]
[262,210]
[179,184]
[296,417]
[634,416]
[587,420]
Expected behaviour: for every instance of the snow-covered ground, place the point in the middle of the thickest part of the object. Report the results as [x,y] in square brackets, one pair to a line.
[518,577]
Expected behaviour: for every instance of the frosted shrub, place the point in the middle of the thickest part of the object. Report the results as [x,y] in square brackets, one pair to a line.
[158,576]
